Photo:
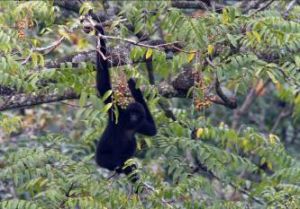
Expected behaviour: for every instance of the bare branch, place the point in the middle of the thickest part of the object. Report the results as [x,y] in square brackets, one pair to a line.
[195,5]
[283,114]
[250,98]
[266,5]
[157,47]
[28,100]
[189,4]
[117,56]
[178,87]
[228,102]
[48,49]
[73,5]
[289,7]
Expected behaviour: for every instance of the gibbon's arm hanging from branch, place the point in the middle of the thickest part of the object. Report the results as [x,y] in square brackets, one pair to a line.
[102,75]
[148,127]
[103,83]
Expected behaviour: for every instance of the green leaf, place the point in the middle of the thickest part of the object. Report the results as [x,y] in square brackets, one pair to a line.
[107,107]
[274,80]
[149,53]
[257,36]
[210,49]
[34,59]
[107,94]
[232,40]
[83,98]
[85,8]
[191,57]
[297,60]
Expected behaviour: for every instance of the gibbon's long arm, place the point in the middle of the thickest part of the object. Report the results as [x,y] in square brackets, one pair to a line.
[148,127]
[102,78]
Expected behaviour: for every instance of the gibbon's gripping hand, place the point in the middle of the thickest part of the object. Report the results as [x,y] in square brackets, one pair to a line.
[131,84]
[135,92]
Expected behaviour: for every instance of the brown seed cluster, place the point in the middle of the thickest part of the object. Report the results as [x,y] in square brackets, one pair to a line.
[121,96]
[200,102]
[21,26]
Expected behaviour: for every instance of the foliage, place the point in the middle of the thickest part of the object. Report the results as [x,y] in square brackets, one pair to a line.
[198,161]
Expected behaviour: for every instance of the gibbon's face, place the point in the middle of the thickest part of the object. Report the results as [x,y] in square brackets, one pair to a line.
[87,24]
[135,117]
[135,114]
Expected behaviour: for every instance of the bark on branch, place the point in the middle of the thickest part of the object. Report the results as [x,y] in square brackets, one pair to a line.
[117,56]
[178,87]
[28,100]
[205,5]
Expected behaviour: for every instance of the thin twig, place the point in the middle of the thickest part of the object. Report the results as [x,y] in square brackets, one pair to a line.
[181,50]
[250,98]
[113,175]
[228,102]
[157,47]
[262,8]
[67,194]
[77,106]
[289,7]
[137,43]
[152,189]
[51,47]
[283,114]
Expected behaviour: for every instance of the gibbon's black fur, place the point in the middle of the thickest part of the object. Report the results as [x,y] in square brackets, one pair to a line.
[118,142]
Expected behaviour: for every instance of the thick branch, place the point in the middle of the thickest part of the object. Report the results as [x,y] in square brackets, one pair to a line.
[6,90]
[226,101]
[221,99]
[73,5]
[189,4]
[196,5]
[28,100]
[117,56]
[178,87]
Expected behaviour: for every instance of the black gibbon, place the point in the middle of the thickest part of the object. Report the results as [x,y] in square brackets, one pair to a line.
[118,142]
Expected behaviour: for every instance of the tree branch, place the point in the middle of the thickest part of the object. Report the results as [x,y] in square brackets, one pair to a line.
[117,56]
[250,98]
[228,102]
[73,5]
[289,7]
[266,5]
[45,49]
[28,100]
[178,87]
[195,5]
[283,114]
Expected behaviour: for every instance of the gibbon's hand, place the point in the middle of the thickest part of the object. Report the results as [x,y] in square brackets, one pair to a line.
[131,84]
